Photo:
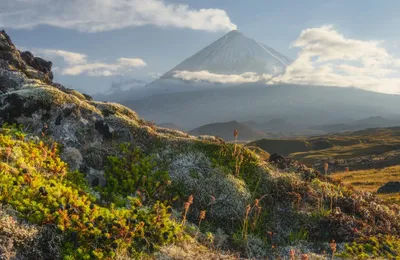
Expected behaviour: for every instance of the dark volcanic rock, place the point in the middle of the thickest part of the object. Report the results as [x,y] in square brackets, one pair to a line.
[5,42]
[31,66]
[276,158]
[9,53]
[38,63]
[390,187]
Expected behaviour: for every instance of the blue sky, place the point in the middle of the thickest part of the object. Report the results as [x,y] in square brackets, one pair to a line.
[150,48]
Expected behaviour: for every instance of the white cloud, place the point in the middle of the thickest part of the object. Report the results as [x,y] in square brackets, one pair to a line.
[328,58]
[70,58]
[131,62]
[92,69]
[104,69]
[105,15]
[77,63]
[247,77]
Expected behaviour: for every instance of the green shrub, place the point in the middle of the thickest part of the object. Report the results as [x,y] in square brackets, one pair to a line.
[298,235]
[383,246]
[132,173]
[36,183]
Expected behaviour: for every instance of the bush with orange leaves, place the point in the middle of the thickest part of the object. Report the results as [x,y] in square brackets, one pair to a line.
[36,184]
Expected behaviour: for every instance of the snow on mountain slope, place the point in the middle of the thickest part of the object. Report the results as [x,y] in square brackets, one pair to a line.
[232,60]
[234,54]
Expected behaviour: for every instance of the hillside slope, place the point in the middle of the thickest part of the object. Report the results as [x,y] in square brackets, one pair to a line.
[154,188]
[225,131]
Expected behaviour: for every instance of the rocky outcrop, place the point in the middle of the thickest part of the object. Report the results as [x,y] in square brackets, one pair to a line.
[88,131]
[13,60]
[390,187]
[38,63]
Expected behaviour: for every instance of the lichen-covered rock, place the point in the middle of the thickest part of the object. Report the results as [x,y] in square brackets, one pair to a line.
[19,240]
[74,157]
[225,195]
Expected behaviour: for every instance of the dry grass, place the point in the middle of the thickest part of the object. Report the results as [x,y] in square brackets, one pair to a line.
[345,152]
[371,180]
[348,145]
[260,152]
[192,250]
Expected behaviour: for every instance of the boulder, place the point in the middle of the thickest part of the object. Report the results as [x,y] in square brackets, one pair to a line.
[38,63]
[276,158]
[390,187]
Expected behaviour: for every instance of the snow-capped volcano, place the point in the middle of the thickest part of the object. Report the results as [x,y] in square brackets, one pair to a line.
[234,54]
[226,81]
[232,60]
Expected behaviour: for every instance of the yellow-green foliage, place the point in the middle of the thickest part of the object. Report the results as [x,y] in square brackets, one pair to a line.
[370,180]
[260,152]
[386,247]
[36,183]
[132,172]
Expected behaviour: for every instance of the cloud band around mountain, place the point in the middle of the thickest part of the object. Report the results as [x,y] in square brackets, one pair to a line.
[247,77]
[105,15]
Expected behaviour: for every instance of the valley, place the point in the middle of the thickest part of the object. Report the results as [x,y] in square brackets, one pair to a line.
[366,159]
[364,149]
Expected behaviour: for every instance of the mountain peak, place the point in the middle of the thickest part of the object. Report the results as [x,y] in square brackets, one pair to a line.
[234,53]
[234,32]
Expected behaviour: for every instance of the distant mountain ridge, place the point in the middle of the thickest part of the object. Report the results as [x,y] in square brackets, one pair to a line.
[369,122]
[306,105]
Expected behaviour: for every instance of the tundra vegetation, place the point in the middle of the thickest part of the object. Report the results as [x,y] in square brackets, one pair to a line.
[81,179]
[137,213]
